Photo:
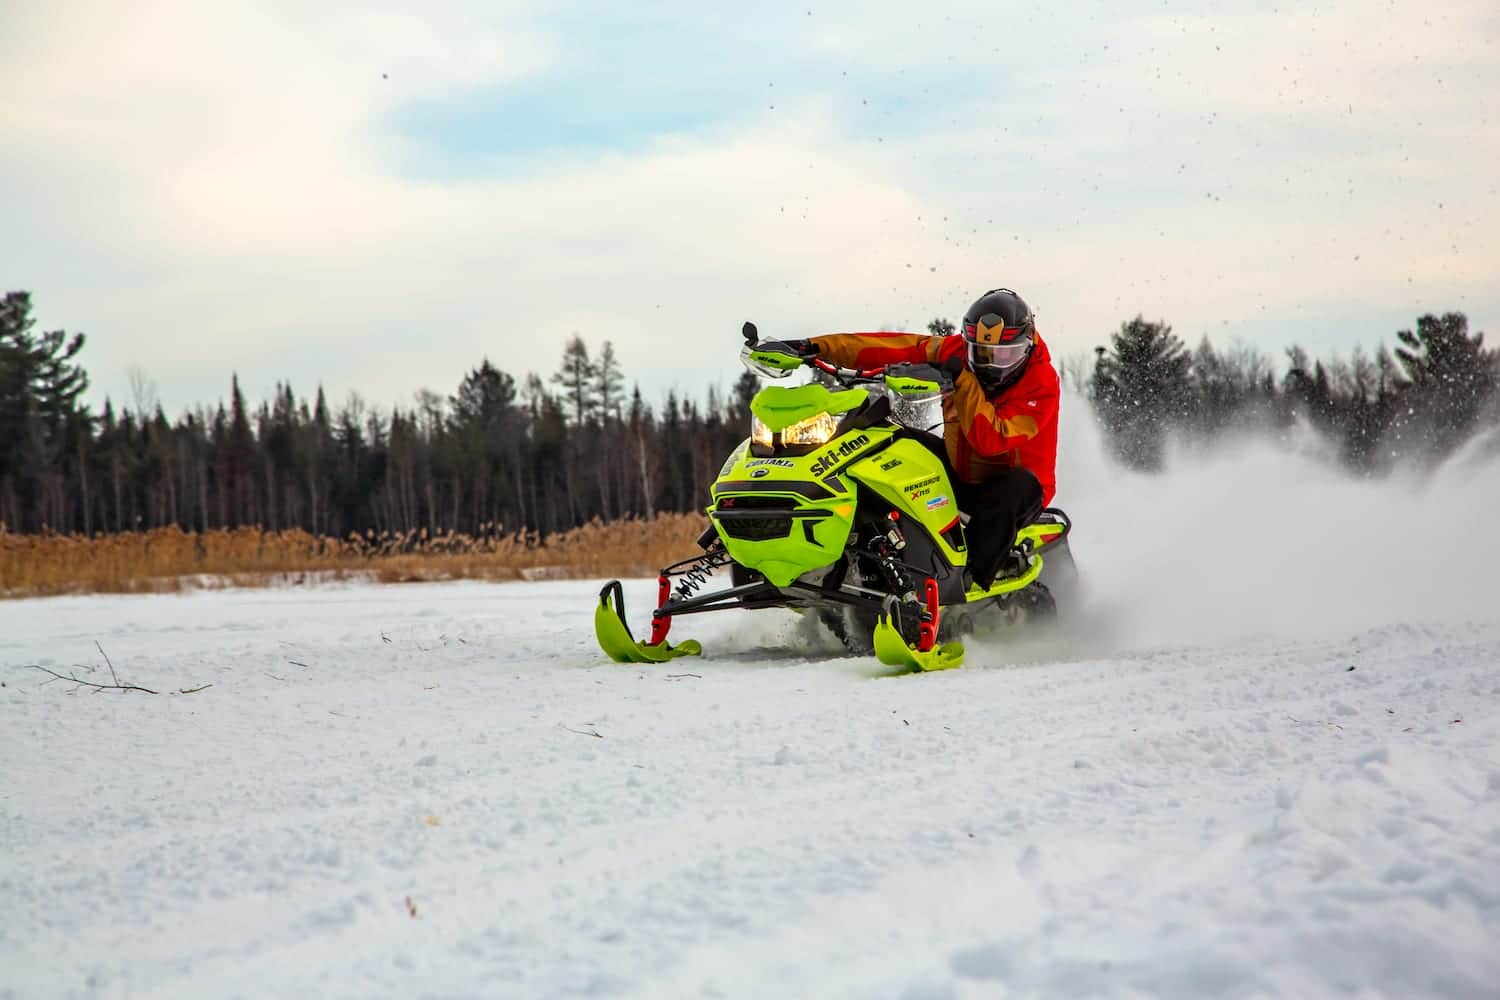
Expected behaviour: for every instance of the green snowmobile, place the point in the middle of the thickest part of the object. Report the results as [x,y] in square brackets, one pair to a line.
[840,504]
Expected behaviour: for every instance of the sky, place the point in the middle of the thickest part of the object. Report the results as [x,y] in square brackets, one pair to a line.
[374,197]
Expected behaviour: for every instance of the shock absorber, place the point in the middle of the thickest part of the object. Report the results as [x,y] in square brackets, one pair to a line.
[884,547]
[694,573]
[893,531]
[697,572]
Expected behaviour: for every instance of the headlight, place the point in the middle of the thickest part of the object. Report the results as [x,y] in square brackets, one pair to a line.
[814,430]
[760,434]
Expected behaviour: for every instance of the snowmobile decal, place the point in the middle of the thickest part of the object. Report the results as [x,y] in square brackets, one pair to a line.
[832,457]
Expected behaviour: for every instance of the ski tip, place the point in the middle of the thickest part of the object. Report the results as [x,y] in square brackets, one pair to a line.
[892,650]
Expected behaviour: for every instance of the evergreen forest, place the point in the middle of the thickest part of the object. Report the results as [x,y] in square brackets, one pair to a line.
[506,453]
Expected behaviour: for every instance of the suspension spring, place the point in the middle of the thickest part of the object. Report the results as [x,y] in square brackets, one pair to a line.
[697,572]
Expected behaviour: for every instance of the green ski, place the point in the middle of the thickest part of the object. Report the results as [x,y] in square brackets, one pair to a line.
[892,650]
[622,647]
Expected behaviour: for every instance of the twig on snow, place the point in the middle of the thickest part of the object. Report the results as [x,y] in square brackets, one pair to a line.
[107,663]
[591,731]
[75,679]
[673,677]
[297,663]
[1330,725]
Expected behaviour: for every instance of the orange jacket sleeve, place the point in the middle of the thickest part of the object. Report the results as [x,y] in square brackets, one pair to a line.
[997,429]
[869,350]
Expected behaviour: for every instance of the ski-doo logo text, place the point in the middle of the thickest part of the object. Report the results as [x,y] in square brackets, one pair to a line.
[833,455]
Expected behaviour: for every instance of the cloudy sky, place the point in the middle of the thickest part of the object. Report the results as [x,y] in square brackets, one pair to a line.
[375,196]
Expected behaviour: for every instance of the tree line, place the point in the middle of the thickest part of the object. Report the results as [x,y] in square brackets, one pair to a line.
[501,454]
[1416,404]
[497,456]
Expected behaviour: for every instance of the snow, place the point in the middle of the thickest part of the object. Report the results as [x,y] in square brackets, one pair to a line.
[1265,761]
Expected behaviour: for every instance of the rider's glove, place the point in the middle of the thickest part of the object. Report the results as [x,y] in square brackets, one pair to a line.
[794,348]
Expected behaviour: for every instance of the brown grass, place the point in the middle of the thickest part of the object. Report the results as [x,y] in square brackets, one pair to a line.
[168,559]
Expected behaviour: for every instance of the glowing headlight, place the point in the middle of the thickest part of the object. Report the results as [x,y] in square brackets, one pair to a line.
[814,430]
[760,434]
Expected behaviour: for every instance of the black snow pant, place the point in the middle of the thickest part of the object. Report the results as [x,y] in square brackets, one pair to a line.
[998,508]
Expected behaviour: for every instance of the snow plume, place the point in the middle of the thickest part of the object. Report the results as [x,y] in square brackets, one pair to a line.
[1260,537]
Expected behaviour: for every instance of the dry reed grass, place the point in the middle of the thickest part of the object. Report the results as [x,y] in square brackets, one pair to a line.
[168,559]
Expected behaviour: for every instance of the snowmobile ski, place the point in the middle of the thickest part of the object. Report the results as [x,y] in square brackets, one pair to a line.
[892,650]
[622,647]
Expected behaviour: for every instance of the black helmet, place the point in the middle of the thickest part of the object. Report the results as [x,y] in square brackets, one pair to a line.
[1000,331]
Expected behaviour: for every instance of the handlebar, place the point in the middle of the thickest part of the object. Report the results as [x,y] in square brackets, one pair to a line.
[839,372]
[947,373]
[843,375]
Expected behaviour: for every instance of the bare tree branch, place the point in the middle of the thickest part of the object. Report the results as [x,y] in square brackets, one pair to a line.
[107,662]
[75,679]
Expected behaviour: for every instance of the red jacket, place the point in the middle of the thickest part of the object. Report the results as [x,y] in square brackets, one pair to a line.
[1017,426]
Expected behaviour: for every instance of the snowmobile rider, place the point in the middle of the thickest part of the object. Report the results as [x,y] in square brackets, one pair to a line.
[1000,420]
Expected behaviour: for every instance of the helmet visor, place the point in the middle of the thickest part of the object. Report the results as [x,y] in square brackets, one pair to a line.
[998,357]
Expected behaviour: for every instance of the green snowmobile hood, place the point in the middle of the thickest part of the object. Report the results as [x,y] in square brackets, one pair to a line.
[779,407]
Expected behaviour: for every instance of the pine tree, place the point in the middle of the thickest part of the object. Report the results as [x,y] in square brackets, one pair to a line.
[646,460]
[576,378]
[238,460]
[609,384]
[40,382]
[1452,378]
[487,430]
[1140,389]
[485,400]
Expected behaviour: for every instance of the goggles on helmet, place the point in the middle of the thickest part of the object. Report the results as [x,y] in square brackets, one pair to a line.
[1002,350]
[998,357]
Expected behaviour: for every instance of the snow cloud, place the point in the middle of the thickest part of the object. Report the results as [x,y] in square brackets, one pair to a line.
[373,197]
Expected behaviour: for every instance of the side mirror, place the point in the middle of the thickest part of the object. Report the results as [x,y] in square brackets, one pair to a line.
[750,333]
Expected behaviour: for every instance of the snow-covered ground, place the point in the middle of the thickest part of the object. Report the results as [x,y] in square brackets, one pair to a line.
[1265,761]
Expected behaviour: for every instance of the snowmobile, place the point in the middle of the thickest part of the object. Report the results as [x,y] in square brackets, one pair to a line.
[839,503]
